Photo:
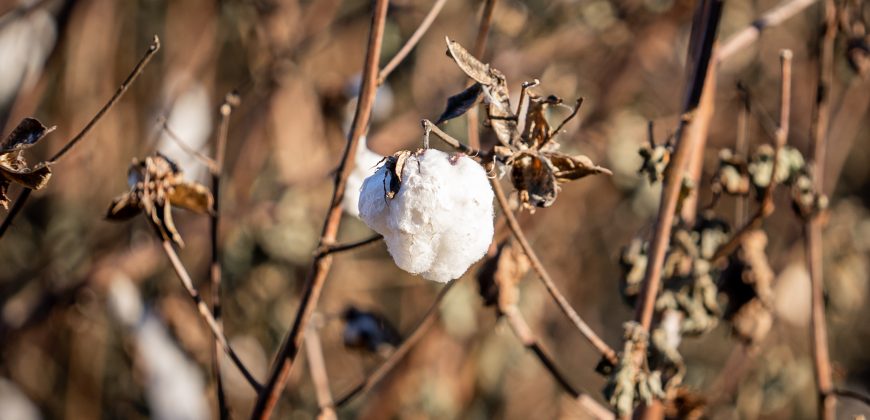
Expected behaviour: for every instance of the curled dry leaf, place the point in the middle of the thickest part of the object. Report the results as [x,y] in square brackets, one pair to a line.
[570,168]
[13,167]
[499,277]
[368,331]
[459,104]
[156,184]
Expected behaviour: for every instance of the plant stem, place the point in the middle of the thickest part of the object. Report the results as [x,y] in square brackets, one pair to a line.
[267,399]
[216,169]
[813,227]
[205,312]
[539,268]
[317,365]
[479,47]
[749,34]
[417,333]
[521,329]
[332,249]
[25,193]
[411,42]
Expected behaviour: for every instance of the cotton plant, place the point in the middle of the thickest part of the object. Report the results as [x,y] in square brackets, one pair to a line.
[434,210]
[366,163]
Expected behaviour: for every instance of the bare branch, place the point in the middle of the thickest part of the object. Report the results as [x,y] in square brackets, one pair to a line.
[411,42]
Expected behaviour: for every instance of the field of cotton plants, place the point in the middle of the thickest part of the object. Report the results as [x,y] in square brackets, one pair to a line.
[434,209]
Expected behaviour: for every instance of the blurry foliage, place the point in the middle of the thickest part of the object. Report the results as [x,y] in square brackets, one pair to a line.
[296,66]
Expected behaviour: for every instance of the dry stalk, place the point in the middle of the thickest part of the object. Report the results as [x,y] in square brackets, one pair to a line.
[267,399]
[317,365]
[216,169]
[813,227]
[479,47]
[134,74]
[205,312]
[411,42]
[748,35]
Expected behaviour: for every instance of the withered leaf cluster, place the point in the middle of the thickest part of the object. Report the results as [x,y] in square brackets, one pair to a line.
[13,167]
[748,283]
[499,277]
[632,382]
[368,331]
[156,184]
[738,176]
[526,145]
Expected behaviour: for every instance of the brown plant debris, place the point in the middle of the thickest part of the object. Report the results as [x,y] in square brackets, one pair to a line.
[156,184]
[13,167]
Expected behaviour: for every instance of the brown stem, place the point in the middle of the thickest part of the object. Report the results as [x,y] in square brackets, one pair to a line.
[749,34]
[205,312]
[767,206]
[411,42]
[524,333]
[332,249]
[216,168]
[539,268]
[317,365]
[479,47]
[267,399]
[25,193]
[741,147]
[813,227]
[428,127]
[417,333]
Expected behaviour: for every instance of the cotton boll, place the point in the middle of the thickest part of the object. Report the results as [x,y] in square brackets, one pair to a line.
[441,219]
[365,164]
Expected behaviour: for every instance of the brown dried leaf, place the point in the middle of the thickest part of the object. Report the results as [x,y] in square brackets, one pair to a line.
[469,65]
[191,196]
[500,275]
[123,207]
[534,178]
[460,103]
[34,179]
[569,168]
[26,134]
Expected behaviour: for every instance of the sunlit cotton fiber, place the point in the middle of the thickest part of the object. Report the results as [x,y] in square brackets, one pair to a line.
[441,219]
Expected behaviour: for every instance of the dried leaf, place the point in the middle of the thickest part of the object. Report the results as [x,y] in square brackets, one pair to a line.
[26,134]
[368,331]
[460,103]
[569,168]
[123,207]
[534,178]
[34,179]
[191,196]
[469,65]
[537,131]
[500,275]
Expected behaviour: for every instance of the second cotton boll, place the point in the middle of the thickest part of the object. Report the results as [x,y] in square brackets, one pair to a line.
[439,221]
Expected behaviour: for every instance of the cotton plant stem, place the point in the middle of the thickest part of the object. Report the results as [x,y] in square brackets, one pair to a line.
[416,334]
[411,42]
[749,34]
[521,329]
[137,70]
[317,365]
[268,398]
[478,51]
[539,268]
[332,249]
[206,313]
[216,169]
[813,227]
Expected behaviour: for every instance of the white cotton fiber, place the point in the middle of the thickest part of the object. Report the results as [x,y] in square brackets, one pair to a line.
[440,221]
[365,164]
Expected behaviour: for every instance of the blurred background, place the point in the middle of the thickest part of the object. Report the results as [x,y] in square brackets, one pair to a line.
[93,322]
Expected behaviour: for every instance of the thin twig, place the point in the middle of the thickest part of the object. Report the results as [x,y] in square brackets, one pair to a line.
[216,168]
[332,249]
[478,51]
[524,333]
[317,365]
[539,268]
[411,42]
[767,206]
[749,34]
[209,162]
[205,312]
[741,147]
[267,399]
[25,193]
[855,395]
[428,127]
[813,227]
[417,333]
